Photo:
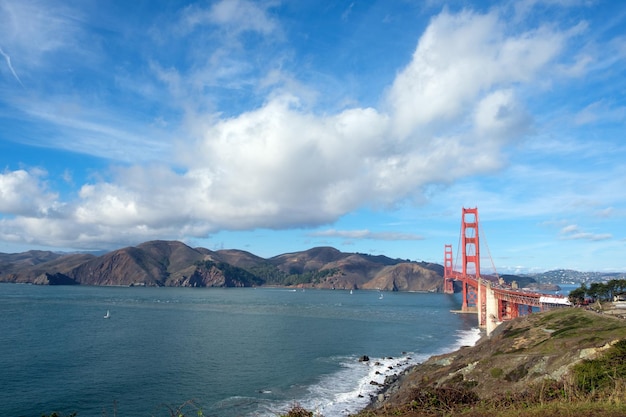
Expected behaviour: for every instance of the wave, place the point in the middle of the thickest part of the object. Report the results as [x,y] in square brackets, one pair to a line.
[352,388]
[465,338]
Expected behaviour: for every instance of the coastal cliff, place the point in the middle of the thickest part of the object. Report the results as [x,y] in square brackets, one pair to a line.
[560,359]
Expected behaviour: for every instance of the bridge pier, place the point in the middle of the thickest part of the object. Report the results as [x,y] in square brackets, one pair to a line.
[492,319]
[493,302]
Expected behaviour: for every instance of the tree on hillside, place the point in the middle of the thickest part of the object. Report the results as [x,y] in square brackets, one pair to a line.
[577,296]
[598,291]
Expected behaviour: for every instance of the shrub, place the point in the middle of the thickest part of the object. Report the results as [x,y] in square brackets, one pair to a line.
[443,398]
[496,372]
[602,373]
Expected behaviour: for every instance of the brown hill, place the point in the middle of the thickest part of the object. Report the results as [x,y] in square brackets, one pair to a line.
[309,260]
[32,266]
[172,263]
[405,277]
[356,270]
[127,266]
[238,258]
[24,259]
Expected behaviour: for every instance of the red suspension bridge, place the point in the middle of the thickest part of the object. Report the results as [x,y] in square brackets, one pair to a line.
[488,295]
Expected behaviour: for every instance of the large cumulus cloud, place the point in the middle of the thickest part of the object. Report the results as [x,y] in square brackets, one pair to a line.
[449,113]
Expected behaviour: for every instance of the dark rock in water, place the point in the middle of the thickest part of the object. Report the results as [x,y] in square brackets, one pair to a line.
[364,358]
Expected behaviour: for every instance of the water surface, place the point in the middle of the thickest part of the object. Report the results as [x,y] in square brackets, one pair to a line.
[234,352]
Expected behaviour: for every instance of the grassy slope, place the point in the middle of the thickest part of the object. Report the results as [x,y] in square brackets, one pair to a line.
[522,370]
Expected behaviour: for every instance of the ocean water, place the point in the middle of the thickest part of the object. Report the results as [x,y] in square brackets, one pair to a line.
[232,352]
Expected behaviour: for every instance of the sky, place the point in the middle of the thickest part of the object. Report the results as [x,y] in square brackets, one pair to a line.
[276,126]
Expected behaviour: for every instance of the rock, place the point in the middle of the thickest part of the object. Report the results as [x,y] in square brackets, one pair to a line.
[54,279]
[390,379]
[364,358]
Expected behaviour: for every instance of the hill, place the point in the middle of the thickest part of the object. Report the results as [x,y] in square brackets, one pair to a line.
[172,263]
[560,356]
[568,276]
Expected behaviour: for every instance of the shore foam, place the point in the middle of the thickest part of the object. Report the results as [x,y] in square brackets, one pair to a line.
[352,388]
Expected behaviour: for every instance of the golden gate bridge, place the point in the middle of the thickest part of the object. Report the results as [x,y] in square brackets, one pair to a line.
[493,300]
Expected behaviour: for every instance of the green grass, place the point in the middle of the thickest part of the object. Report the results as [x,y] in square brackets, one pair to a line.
[597,388]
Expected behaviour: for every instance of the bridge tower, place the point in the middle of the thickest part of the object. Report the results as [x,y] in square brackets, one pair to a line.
[493,300]
[471,258]
[448,277]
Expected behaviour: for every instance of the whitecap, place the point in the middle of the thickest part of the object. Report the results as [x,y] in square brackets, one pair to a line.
[353,387]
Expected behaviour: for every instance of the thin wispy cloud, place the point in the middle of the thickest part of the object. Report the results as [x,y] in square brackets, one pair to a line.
[7,58]
[366,234]
[573,232]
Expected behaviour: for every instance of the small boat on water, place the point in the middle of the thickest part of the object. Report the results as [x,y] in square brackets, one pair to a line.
[107,315]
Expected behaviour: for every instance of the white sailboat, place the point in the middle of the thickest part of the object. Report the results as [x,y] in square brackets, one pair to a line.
[107,315]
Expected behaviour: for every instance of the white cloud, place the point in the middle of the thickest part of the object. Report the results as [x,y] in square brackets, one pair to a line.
[572,228]
[7,58]
[24,193]
[606,212]
[500,115]
[282,165]
[235,15]
[242,15]
[458,59]
[30,30]
[573,232]
[600,111]
[366,234]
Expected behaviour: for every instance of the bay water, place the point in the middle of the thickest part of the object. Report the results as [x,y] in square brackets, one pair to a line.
[229,352]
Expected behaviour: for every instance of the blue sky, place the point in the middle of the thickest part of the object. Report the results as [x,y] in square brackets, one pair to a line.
[277,126]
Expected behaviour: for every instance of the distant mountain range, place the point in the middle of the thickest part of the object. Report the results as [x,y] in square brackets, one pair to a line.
[172,263]
[569,276]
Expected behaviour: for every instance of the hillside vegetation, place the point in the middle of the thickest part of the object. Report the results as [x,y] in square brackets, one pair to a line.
[565,362]
[172,263]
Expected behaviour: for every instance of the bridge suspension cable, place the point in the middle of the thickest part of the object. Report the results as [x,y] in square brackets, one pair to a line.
[489,296]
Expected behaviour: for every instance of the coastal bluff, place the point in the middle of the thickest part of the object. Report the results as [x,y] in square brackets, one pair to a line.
[529,356]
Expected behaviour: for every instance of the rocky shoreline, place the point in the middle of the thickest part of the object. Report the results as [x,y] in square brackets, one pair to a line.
[520,353]
[390,386]
[397,382]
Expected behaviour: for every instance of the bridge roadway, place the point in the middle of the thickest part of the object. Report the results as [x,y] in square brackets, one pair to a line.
[489,296]
[495,302]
